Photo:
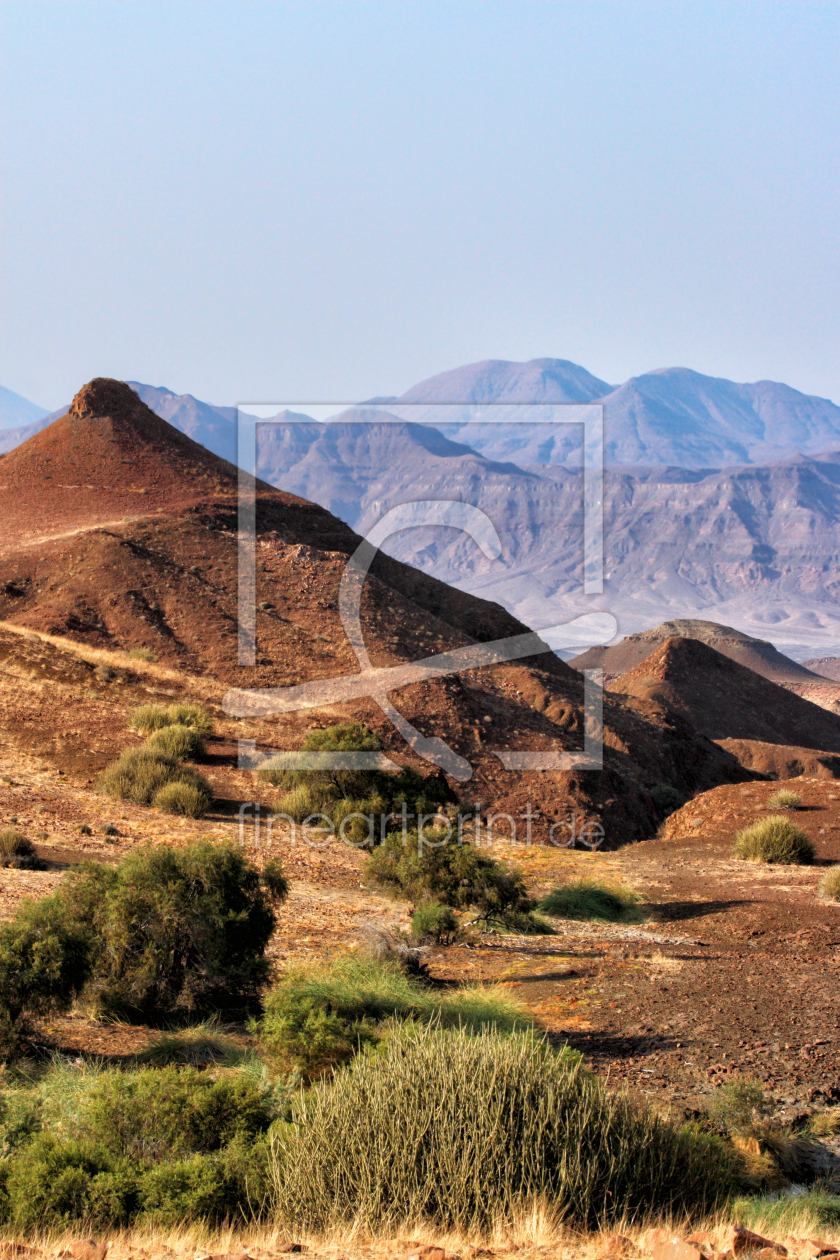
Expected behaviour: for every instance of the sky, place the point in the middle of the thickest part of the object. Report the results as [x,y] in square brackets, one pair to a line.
[326,201]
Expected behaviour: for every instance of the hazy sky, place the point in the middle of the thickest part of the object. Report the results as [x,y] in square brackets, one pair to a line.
[330,200]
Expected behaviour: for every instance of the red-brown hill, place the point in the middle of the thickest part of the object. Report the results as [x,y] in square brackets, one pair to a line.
[123,533]
[727,701]
[757,654]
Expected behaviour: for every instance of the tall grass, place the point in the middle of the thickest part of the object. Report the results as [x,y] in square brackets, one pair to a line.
[318,1016]
[182,742]
[462,1130]
[785,799]
[584,899]
[774,839]
[140,774]
[830,884]
[154,717]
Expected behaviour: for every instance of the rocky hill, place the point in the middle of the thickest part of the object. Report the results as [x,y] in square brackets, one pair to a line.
[770,729]
[756,654]
[121,533]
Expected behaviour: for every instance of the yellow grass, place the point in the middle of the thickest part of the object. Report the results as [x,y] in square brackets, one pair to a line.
[533,1231]
[118,659]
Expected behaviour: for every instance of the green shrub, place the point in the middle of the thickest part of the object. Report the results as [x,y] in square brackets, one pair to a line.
[155,717]
[44,962]
[140,774]
[137,775]
[105,1148]
[176,931]
[16,850]
[830,884]
[341,792]
[785,799]
[181,742]
[183,796]
[168,932]
[776,840]
[464,1132]
[318,1016]
[739,1106]
[583,899]
[668,799]
[434,922]
[435,868]
[191,715]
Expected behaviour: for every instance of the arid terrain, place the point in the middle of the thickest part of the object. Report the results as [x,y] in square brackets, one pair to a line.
[120,545]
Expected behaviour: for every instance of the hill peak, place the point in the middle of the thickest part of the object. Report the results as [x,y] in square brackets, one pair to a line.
[109,457]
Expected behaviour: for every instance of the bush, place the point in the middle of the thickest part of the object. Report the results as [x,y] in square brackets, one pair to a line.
[785,799]
[465,1132]
[739,1106]
[435,868]
[341,792]
[181,742]
[44,962]
[183,797]
[830,884]
[582,899]
[168,932]
[106,1148]
[434,922]
[155,717]
[140,774]
[16,850]
[667,798]
[776,840]
[318,1016]
[176,930]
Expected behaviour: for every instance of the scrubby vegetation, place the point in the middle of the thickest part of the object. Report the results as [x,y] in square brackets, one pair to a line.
[775,839]
[436,867]
[153,774]
[830,884]
[463,1130]
[156,1146]
[140,774]
[154,717]
[584,899]
[343,792]
[17,850]
[667,798]
[319,1016]
[184,743]
[188,797]
[167,933]
[785,799]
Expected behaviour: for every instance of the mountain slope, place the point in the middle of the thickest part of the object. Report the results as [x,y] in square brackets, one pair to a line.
[727,701]
[144,554]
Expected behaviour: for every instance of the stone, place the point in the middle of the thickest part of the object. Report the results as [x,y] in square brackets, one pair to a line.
[676,1248]
[87,1249]
[739,1240]
[702,1238]
[814,1247]
[429,1253]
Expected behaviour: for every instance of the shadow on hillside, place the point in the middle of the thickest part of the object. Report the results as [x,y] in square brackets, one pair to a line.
[675,911]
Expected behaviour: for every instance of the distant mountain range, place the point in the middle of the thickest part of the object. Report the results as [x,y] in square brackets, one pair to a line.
[673,416]
[721,500]
[17,412]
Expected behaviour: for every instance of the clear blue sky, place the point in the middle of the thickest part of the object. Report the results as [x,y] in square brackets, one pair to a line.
[330,200]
